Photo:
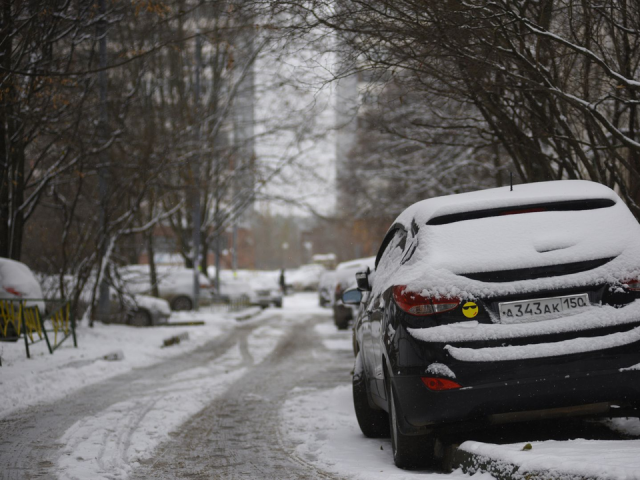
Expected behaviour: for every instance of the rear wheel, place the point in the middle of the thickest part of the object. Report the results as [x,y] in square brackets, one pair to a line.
[181,303]
[409,452]
[373,423]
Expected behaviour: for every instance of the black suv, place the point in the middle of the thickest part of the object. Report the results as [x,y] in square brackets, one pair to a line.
[498,306]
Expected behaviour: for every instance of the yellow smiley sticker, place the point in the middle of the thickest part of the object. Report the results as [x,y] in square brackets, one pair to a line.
[470,309]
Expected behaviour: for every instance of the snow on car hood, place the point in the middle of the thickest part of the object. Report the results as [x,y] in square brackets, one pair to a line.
[153,304]
[536,239]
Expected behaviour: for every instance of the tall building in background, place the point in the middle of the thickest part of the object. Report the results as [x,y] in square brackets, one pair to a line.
[347,105]
[243,131]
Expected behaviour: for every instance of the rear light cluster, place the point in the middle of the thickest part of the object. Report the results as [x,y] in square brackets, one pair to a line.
[416,304]
[439,384]
[633,285]
[12,291]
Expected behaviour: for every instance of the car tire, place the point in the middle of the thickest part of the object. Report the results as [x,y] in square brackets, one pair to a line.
[181,303]
[409,452]
[140,318]
[373,423]
[341,317]
[278,304]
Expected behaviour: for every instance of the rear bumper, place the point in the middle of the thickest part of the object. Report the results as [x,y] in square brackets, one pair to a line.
[591,393]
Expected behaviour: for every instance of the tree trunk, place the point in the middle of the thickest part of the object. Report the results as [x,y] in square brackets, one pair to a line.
[153,274]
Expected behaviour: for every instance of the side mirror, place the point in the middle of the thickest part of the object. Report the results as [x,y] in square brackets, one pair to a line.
[353,296]
[362,278]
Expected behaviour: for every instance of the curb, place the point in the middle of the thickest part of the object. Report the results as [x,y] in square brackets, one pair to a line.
[471,463]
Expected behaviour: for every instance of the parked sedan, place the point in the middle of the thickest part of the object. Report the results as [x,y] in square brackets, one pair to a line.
[175,285]
[326,288]
[498,306]
[266,291]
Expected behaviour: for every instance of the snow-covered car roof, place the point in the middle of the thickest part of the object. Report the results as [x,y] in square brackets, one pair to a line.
[447,244]
[346,271]
[17,277]
[359,262]
[521,195]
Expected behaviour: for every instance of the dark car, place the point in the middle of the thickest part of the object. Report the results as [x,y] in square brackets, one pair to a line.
[345,278]
[496,307]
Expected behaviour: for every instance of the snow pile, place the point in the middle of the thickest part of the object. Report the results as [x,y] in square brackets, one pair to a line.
[534,239]
[441,370]
[610,459]
[323,427]
[627,426]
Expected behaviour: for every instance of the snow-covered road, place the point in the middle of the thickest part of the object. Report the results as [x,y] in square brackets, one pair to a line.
[267,397]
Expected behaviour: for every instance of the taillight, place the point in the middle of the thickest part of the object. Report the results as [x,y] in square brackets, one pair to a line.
[633,285]
[205,287]
[416,304]
[439,384]
[13,291]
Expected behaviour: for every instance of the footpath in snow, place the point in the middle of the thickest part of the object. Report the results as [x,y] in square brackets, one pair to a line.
[46,378]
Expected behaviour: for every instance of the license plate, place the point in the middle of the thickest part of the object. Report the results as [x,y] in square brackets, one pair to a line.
[512,312]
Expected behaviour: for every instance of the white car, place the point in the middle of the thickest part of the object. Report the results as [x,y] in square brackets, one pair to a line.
[175,285]
[124,306]
[326,287]
[237,291]
[305,278]
[267,291]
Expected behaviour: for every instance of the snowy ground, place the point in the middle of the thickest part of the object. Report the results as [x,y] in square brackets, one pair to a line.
[45,377]
[324,427]
[153,393]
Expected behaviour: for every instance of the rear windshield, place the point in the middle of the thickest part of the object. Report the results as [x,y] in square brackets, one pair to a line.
[571,205]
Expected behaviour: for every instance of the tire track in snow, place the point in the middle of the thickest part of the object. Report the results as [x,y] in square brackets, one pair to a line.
[128,432]
[30,439]
[237,435]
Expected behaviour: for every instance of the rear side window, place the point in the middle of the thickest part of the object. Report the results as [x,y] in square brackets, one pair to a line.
[392,248]
[571,205]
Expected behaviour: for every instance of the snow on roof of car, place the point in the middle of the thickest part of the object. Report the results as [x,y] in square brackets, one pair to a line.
[445,255]
[17,276]
[359,262]
[525,194]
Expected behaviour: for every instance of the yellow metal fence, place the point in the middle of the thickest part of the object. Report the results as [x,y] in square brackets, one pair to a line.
[18,320]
